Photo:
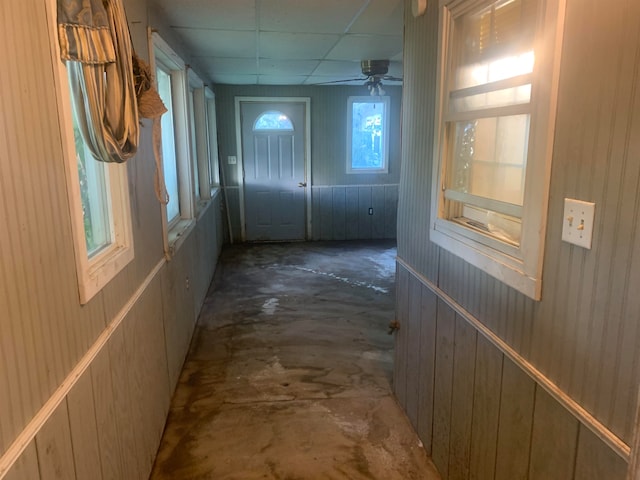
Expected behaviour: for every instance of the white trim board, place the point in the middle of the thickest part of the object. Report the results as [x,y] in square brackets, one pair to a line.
[365,185]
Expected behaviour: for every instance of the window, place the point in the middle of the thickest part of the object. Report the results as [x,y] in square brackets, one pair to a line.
[193,143]
[93,177]
[498,88]
[273,120]
[178,162]
[98,192]
[198,138]
[169,160]
[212,139]
[367,137]
[101,217]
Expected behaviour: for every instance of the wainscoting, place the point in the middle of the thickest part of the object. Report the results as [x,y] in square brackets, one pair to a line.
[480,410]
[354,212]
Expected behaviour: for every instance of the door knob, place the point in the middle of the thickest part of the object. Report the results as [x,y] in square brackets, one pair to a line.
[302,184]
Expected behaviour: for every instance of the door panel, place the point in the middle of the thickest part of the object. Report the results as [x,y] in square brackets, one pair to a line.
[274,167]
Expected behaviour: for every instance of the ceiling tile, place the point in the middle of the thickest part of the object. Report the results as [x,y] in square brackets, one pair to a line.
[219,43]
[221,14]
[295,46]
[287,67]
[381,17]
[281,79]
[332,79]
[235,79]
[327,16]
[334,67]
[228,66]
[366,47]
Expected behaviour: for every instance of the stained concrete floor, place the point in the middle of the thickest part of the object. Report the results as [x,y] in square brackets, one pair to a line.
[289,372]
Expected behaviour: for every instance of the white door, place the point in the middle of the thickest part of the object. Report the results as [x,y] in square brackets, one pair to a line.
[273,150]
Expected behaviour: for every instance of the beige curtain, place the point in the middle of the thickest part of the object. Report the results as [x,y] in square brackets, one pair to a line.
[95,43]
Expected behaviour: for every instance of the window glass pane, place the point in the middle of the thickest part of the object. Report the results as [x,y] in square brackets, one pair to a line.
[494,43]
[194,150]
[96,215]
[273,121]
[212,138]
[489,157]
[506,228]
[367,135]
[170,168]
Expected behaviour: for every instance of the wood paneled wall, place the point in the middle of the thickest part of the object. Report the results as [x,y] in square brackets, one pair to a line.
[478,413]
[328,161]
[342,212]
[84,390]
[582,340]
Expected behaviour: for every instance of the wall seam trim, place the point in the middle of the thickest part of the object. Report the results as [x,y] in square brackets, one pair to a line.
[57,397]
[357,186]
[600,430]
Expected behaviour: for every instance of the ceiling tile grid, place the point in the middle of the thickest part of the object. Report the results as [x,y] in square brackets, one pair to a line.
[287,41]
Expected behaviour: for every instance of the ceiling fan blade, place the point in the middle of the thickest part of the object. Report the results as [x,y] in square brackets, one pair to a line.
[342,81]
[392,78]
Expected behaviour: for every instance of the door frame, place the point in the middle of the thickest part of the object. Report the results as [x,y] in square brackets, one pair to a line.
[307,153]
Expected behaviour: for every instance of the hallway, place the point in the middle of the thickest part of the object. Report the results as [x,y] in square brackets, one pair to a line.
[289,371]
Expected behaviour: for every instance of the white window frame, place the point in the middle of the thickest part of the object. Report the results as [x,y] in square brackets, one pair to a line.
[518,266]
[176,231]
[197,137]
[212,141]
[96,272]
[386,100]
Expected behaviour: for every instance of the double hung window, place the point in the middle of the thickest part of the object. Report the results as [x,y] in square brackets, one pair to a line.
[178,152]
[164,81]
[498,74]
[212,139]
[101,216]
[97,189]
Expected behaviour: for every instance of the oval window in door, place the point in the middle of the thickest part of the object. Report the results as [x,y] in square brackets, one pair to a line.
[273,120]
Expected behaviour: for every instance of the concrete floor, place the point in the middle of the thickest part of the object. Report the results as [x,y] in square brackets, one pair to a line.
[289,371]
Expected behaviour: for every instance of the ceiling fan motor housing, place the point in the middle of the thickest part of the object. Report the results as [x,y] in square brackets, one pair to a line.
[372,68]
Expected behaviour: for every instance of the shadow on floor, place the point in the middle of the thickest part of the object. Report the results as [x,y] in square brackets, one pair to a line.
[289,372]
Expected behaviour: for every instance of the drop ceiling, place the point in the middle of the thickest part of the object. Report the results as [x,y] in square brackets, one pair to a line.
[287,42]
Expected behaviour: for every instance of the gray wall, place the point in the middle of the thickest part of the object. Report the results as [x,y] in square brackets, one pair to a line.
[495,382]
[340,201]
[84,390]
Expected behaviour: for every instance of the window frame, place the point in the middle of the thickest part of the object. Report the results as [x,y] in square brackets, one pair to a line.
[197,138]
[95,273]
[518,266]
[386,100]
[213,155]
[162,54]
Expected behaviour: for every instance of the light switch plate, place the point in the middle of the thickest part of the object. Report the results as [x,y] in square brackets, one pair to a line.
[577,222]
[232,160]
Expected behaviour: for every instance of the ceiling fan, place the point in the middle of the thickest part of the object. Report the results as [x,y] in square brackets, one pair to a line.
[374,72]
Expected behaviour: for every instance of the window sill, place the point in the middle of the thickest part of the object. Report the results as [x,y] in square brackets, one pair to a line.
[203,205]
[356,171]
[178,234]
[94,276]
[506,268]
